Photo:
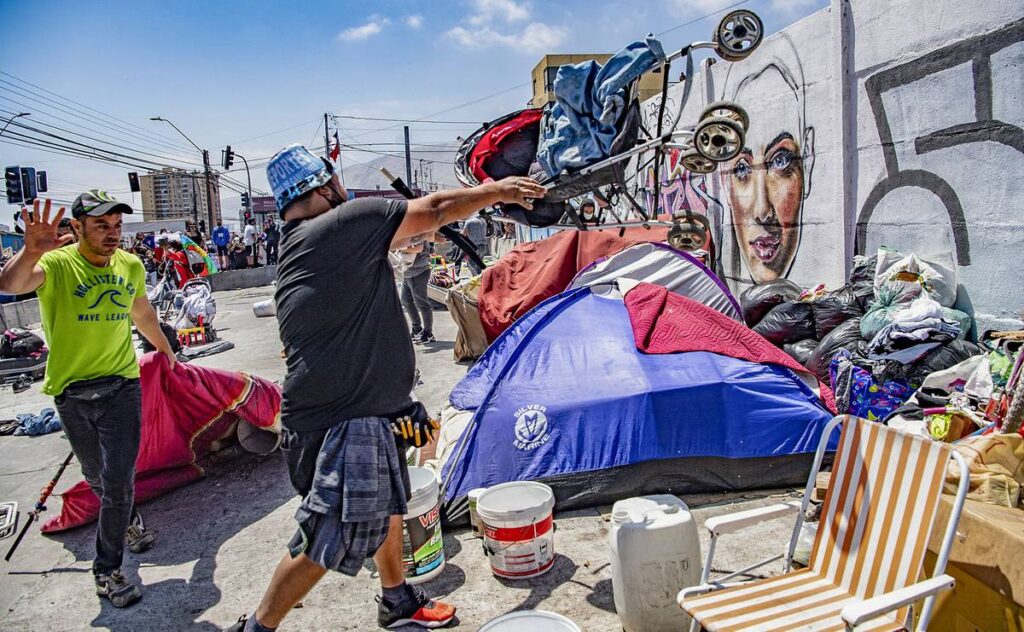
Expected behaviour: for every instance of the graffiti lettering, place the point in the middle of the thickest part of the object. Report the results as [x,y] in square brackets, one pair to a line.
[978,52]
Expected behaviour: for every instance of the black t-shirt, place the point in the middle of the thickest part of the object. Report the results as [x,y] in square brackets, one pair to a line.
[347,343]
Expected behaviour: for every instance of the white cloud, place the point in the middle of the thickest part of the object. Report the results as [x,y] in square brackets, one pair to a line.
[373,26]
[535,38]
[413,21]
[539,37]
[507,10]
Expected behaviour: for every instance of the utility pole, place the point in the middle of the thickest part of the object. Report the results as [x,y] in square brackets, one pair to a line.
[408,158]
[209,193]
[195,206]
[327,139]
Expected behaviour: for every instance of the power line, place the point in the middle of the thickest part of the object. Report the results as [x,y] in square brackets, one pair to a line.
[703,17]
[285,129]
[398,120]
[99,140]
[155,135]
[451,109]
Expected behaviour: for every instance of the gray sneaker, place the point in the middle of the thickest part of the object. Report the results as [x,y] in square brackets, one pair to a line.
[139,539]
[117,589]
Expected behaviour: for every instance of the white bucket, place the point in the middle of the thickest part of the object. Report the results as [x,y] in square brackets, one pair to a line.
[518,525]
[532,620]
[258,440]
[473,496]
[264,308]
[422,542]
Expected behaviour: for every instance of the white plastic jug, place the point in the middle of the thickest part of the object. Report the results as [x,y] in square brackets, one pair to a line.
[655,553]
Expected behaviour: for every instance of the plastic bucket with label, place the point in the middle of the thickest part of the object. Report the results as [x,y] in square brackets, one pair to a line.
[422,542]
[518,524]
[532,620]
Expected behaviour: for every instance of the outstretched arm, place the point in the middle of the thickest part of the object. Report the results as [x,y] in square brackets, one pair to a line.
[22,274]
[427,214]
[148,324]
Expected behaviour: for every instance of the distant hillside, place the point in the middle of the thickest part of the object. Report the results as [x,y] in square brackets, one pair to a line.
[439,168]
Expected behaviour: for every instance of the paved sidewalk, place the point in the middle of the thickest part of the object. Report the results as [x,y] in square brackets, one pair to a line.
[219,539]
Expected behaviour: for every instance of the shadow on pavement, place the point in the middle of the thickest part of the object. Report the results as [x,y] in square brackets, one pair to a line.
[541,587]
[191,524]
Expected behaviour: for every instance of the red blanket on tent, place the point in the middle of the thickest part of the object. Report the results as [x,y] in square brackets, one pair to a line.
[538,270]
[665,322]
[183,413]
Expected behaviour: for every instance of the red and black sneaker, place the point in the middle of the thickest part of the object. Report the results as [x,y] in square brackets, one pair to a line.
[414,609]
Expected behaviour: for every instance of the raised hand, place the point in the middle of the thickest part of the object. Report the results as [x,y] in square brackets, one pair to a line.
[41,233]
[520,190]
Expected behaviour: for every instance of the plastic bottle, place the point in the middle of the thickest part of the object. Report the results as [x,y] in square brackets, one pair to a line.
[655,553]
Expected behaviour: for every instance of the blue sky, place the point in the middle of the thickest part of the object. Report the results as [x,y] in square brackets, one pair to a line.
[260,74]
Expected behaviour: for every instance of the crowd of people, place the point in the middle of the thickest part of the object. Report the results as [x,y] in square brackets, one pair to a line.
[166,252]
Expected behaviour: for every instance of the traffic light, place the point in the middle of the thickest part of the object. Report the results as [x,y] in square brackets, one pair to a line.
[28,184]
[202,227]
[41,181]
[227,157]
[12,179]
[245,199]
[247,215]
[133,182]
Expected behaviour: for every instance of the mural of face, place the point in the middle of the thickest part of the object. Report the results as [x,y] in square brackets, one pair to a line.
[767,183]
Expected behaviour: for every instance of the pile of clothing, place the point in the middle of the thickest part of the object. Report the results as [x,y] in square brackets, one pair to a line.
[876,338]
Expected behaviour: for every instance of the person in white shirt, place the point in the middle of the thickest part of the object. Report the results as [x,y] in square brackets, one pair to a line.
[249,241]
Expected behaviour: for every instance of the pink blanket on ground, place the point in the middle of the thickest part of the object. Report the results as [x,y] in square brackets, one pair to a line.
[665,322]
[185,415]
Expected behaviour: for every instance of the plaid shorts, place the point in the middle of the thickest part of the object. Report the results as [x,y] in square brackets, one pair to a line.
[353,477]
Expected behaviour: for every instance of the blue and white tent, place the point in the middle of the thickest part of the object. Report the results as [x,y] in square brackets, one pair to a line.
[564,397]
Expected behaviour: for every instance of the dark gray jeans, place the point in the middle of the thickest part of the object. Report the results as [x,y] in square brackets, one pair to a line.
[415,301]
[102,419]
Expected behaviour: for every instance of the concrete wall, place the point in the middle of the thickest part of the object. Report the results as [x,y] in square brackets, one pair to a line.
[872,123]
[242,279]
[21,314]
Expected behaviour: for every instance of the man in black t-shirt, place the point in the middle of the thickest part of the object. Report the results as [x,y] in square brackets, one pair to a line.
[350,372]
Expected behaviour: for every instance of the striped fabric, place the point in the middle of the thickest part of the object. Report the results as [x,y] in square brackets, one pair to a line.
[874,529]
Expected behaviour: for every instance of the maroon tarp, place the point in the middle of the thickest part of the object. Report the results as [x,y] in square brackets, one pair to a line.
[537,270]
[183,413]
[665,322]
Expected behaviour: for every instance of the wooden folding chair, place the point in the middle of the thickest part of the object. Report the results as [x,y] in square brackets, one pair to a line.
[869,550]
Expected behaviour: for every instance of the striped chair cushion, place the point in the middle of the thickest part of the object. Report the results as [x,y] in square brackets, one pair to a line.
[871,539]
[796,601]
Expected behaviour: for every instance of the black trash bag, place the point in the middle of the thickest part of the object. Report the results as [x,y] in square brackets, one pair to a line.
[801,351]
[169,332]
[19,343]
[863,269]
[760,299]
[865,293]
[834,309]
[845,336]
[953,352]
[788,322]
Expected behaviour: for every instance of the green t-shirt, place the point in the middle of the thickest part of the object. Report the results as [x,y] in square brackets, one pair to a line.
[86,315]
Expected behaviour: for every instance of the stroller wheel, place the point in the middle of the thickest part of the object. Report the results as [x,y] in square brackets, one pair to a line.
[728,109]
[738,34]
[687,237]
[696,162]
[718,138]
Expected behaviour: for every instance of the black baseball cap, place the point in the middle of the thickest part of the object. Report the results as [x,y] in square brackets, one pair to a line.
[96,203]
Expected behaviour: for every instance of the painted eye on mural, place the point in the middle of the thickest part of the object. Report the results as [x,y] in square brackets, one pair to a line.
[742,170]
[781,160]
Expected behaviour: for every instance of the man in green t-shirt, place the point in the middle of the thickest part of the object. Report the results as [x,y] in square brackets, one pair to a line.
[89,295]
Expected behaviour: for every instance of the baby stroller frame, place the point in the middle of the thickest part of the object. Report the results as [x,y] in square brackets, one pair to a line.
[717,137]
